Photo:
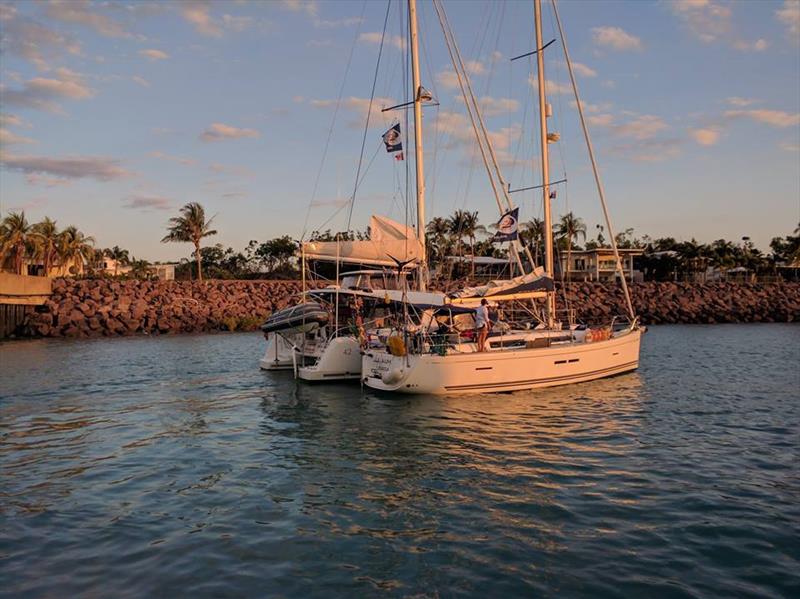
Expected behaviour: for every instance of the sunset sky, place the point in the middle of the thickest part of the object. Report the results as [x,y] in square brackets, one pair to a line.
[114,114]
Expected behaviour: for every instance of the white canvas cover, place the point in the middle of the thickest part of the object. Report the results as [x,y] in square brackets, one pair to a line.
[388,239]
[533,281]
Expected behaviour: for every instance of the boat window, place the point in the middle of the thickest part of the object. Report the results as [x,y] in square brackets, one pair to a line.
[356,281]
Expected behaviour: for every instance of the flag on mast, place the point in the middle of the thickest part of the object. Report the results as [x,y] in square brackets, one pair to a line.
[507,226]
[392,139]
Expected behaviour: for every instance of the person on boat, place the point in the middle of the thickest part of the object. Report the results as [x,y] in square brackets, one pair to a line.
[482,324]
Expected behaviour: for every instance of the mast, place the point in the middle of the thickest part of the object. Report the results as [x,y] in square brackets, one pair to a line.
[548,218]
[422,269]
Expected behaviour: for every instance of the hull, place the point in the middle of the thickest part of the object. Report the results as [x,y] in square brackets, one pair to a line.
[505,370]
[278,355]
[284,349]
[339,360]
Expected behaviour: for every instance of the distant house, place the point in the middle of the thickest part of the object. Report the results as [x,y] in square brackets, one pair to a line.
[485,266]
[114,267]
[164,272]
[599,264]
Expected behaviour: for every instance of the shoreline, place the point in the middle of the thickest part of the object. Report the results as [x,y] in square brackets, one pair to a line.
[113,308]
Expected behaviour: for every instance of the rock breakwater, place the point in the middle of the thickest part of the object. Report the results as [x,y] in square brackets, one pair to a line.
[93,308]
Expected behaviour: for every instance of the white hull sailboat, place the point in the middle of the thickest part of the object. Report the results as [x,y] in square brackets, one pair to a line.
[503,369]
[419,360]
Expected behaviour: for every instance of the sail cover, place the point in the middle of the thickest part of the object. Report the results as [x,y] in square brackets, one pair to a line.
[533,284]
[388,239]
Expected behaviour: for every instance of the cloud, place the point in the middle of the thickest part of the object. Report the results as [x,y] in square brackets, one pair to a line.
[600,120]
[178,159]
[789,15]
[582,70]
[79,11]
[709,21]
[42,92]
[705,136]
[550,86]
[651,150]
[449,80]
[31,40]
[8,138]
[12,120]
[593,108]
[345,22]
[615,38]
[706,20]
[224,169]
[740,102]
[360,107]
[308,7]
[790,147]
[237,24]
[153,54]
[147,202]
[757,46]
[774,118]
[232,195]
[196,12]
[374,37]
[645,126]
[140,81]
[72,167]
[495,106]
[221,131]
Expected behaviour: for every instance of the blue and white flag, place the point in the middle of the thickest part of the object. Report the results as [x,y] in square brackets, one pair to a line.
[392,139]
[508,226]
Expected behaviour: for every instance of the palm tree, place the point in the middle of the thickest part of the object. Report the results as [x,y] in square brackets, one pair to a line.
[119,256]
[437,237]
[570,228]
[75,247]
[45,239]
[464,223]
[190,227]
[532,233]
[140,269]
[15,239]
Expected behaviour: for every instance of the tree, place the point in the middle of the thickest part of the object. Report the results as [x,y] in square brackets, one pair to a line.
[190,227]
[45,237]
[119,256]
[140,269]
[532,234]
[464,223]
[437,239]
[569,228]
[75,247]
[15,240]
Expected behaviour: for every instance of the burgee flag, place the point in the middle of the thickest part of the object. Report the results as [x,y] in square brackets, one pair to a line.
[508,226]
[392,139]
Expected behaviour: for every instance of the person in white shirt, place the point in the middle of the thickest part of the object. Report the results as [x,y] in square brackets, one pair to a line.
[482,324]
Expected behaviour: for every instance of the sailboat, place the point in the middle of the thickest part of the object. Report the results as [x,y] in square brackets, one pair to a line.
[348,316]
[431,354]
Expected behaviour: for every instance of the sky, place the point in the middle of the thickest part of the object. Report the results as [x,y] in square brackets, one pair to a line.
[115,114]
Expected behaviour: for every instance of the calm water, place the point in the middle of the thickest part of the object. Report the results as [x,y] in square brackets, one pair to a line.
[172,466]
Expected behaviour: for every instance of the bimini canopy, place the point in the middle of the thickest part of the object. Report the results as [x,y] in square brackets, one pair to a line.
[531,285]
[388,239]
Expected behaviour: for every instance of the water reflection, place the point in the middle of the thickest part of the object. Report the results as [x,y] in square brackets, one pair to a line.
[178,458]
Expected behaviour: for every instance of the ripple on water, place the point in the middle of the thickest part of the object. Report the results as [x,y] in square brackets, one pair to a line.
[160,466]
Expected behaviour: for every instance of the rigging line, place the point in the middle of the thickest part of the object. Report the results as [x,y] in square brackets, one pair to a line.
[369,113]
[599,183]
[333,121]
[516,246]
[460,70]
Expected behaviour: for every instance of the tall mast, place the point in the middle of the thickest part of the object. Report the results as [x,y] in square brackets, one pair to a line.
[548,218]
[419,161]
